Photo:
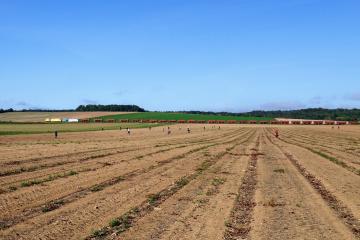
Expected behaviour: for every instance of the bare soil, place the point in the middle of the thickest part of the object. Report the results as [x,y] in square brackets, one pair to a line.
[41,116]
[236,182]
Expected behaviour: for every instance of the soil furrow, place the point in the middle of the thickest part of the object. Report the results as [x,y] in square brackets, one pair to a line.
[344,214]
[238,226]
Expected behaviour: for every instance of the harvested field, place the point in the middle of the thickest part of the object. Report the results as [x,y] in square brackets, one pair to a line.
[40,116]
[236,182]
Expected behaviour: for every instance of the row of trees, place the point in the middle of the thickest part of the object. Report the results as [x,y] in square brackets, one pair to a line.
[6,110]
[110,108]
[309,113]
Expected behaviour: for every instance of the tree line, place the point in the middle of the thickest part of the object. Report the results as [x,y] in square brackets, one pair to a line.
[6,110]
[109,108]
[309,113]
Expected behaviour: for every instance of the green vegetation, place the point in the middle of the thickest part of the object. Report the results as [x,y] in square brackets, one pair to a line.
[52,205]
[115,222]
[153,198]
[179,116]
[109,108]
[96,188]
[312,113]
[279,170]
[29,183]
[218,181]
[27,128]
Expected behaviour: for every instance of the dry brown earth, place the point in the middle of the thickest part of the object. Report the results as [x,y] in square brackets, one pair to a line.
[237,182]
[41,116]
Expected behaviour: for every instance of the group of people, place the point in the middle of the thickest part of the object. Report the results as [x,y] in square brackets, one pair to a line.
[128,130]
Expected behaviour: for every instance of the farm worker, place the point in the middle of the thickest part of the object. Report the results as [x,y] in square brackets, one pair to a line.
[120,128]
[276,133]
[188,130]
[56,134]
[219,127]
[204,128]
[128,130]
[150,128]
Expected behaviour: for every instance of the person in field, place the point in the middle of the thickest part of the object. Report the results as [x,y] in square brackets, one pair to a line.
[128,131]
[276,133]
[188,130]
[56,134]
[204,128]
[150,128]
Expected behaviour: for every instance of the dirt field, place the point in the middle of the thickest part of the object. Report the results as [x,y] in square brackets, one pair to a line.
[41,116]
[236,182]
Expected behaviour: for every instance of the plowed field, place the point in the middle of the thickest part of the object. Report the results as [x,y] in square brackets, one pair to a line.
[233,182]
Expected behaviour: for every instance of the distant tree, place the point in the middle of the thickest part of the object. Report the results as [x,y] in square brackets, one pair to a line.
[109,108]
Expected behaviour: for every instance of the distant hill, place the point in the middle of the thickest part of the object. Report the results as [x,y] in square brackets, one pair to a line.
[309,113]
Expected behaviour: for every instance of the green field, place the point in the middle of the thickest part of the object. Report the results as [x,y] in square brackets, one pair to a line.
[25,128]
[178,116]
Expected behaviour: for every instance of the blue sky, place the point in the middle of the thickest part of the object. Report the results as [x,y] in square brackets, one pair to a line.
[180,54]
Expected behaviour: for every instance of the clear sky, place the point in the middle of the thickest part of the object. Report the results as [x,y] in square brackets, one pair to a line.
[219,55]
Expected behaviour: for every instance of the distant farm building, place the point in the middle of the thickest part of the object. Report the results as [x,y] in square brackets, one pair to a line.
[73,120]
